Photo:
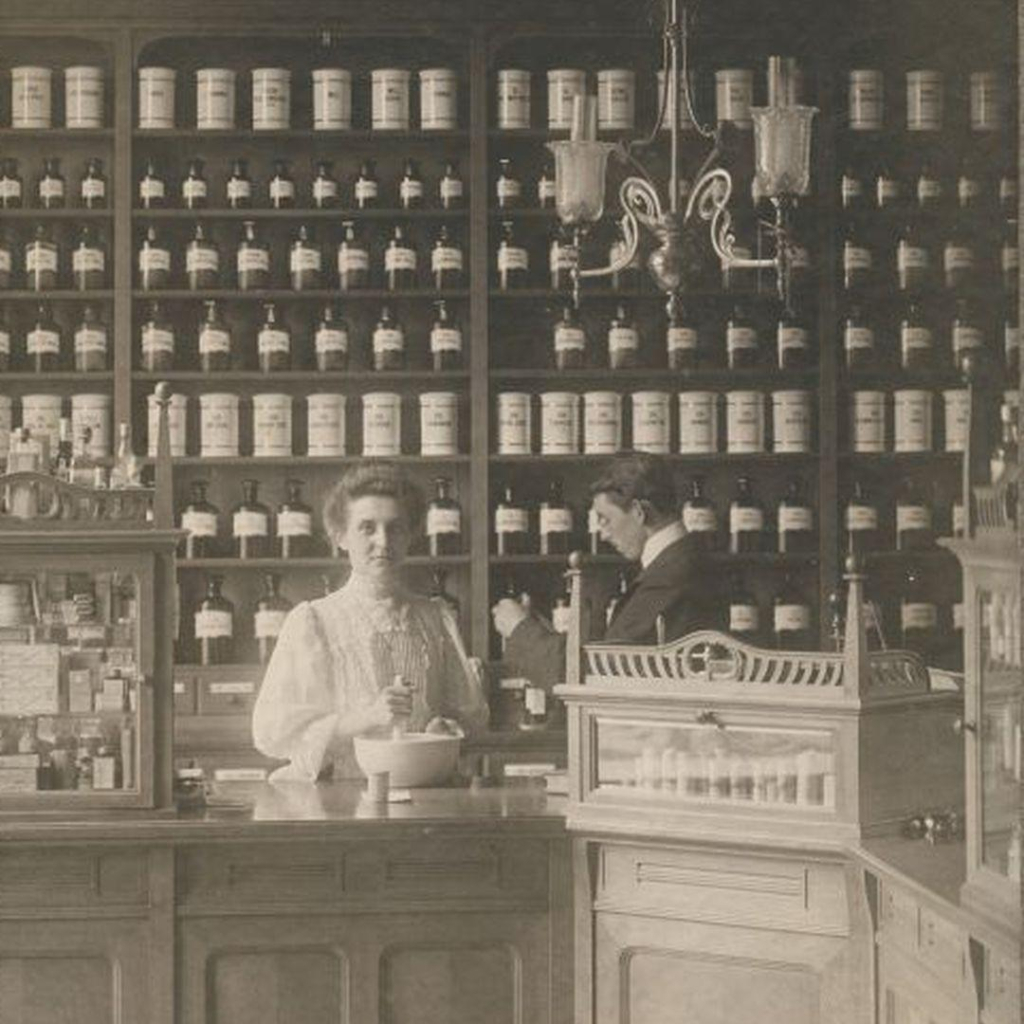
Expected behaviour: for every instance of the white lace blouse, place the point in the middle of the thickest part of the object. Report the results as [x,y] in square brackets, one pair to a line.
[333,657]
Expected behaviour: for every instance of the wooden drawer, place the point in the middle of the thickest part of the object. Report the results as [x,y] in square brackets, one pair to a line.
[899,919]
[769,892]
[227,692]
[1002,987]
[942,946]
[72,878]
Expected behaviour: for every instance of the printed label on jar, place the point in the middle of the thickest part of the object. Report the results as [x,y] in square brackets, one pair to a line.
[90,340]
[858,338]
[239,189]
[282,188]
[792,338]
[509,188]
[151,259]
[913,517]
[199,524]
[272,340]
[744,618]
[535,700]
[856,257]
[353,259]
[365,190]
[5,342]
[294,524]
[9,189]
[445,257]
[213,340]
[267,623]
[570,339]
[5,260]
[388,339]
[247,523]
[958,520]
[699,520]
[39,259]
[193,188]
[555,520]
[210,625]
[918,615]
[850,189]
[679,338]
[399,258]
[912,338]
[445,339]
[201,257]
[84,260]
[324,188]
[511,520]
[410,189]
[928,189]
[861,517]
[93,188]
[253,259]
[792,617]
[330,339]
[43,343]
[51,188]
[623,339]
[451,188]
[512,257]
[966,337]
[152,188]
[546,190]
[745,520]
[911,257]
[795,519]
[443,520]
[968,189]
[304,258]
[887,191]
[958,257]
[740,338]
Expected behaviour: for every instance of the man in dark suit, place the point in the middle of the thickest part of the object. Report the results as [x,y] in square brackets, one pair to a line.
[635,506]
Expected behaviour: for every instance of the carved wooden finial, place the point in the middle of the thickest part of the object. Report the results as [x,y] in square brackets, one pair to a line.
[855,644]
[163,502]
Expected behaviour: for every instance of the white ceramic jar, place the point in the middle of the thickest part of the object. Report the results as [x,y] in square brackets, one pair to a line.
[31,97]
[734,96]
[866,100]
[389,99]
[382,423]
[332,99]
[867,421]
[515,434]
[177,412]
[325,424]
[912,420]
[602,422]
[91,412]
[156,97]
[956,408]
[271,425]
[698,422]
[40,415]
[616,99]
[439,423]
[685,120]
[218,424]
[559,423]
[791,421]
[215,99]
[564,85]
[744,422]
[271,99]
[83,96]
[513,99]
[439,96]
[925,101]
[652,421]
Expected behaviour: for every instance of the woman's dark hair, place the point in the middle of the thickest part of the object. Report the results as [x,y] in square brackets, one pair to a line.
[377,479]
[639,477]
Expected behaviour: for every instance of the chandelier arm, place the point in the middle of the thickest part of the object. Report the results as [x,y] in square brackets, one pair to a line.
[639,198]
[710,198]
[631,236]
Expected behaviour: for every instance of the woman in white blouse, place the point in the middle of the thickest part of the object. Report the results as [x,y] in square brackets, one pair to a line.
[331,676]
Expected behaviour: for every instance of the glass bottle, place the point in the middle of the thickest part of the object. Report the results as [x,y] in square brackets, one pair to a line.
[271,611]
[194,188]
[281,187]
[199,520]
[152,188]
[410,188]
[214,625]
[508,188]
[1011,341]
[852,191]
[154,262]
[858,261]
[353,260]
[445,340]
[88,262]
[913,261]
[366,190]
[438,591]
[682,339]
[400,261]
[969,189]
[324,190]
[888,190]
[795,521]
[305,262]
[388,342]
[1004,454]
[746,519]
[511,524]
[202,261]
[929,190]
[858,341]
[1009,257]
[65,451]
[623,340]
[238,189]
[744,612]
[214,341]
[92,186]
[862,522]
[569,340]
[793,342]
[742,345]
[12,195]
[250,524]
[546,192]
[919,614]
[446,261]
[294,523]
[273,343]
[331,342]
[791,618]
[41,261]
[451,191]
[6,262]
[444,521]
[699,517]
[1007,193]
[252,260]
[555,522]
[561,260]
[126,470]
[42,342]
[51,193]
[91,345]
[959,261]
[6,339]
[513,259]
[967,334]
[617,597]
[917,349]
[913,519]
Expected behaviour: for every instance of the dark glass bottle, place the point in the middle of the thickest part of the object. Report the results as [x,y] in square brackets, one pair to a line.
[959,259]
[154,262]
[699,517]
[511,524]
[919,614]
[561,260]
[546,192]
[682,339]
[51,191]
[446,261]
[202,261]
[1009,257]
[888,190]
[43,343]
[400,261]
[410,188]
[92,186]
[366,190]
[793,342]
[967,333]
[569,341]
[859,341]
[388,342]
[194,188]
[438,591]
[65,451]
[444,521]
[215,626]
[281,187]
[513,259]
[858,261]
[742,345]
[970,191]
[273,343]
[294,523]
[555,522]
[862,522]
[451,191]
[331,342]
[41,261]
[152,188]
[305,262]
[250,524]
[791,618]
[199,520]
[623,340]
[853,193]
[917,348]
[930,192]
[508,188]
[746,519]
[88,262]
[744,614]
[353,260]
[1004,454]
[445,340]
[252,260]
[238,189]
[324,191]
[91,343]
[214,342]
[914,528]
[913,261]
[1011,341]
[6,341]
[6,262]
[271,611]
[12,189]
[796,521]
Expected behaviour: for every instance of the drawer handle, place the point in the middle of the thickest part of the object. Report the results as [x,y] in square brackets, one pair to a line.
[710,718]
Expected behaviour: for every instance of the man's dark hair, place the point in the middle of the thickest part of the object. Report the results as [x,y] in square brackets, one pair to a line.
[639,477]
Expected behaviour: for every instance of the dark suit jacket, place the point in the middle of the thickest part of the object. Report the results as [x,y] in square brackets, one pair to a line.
[672,586]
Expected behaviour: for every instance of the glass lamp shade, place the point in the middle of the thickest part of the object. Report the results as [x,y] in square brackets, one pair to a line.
[579,180]
[782,150]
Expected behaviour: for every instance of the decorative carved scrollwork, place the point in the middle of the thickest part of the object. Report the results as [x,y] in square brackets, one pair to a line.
[37,497]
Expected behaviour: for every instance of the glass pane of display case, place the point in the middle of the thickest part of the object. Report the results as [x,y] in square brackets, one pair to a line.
[1000,730]
[69,682]
[706,765]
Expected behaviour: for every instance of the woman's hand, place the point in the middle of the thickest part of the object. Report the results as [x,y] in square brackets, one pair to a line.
[392,703]
[440,726]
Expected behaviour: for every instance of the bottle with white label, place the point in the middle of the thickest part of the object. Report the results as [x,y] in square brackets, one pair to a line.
[41,261]
[250,524]
[929,191]
[305,262]
[744,613]
[858,340]
[43,342]
[91,344]
[970,190]
[51,192]
[6,262]
[1004,455]
[791,618]
[513,259]
[700,520]
[271,611]
[795,521]
[917,348]
[451,190]
[546,191]
[508,188]
[366,190]
[202,261]
[858,261]
[214,625]
[682,339]
[214,341]
[194,188]
[1009,256]
[959,259]
[746,519]
[444,521]
[967,334]
[353,260]
[623,340]
[92,186]
[6,339]
[152,188]
[331,341]
[555,522]
[919,614]
[273,343]
[199,520]
[853,192]
[410,187]
[281,187]
[914,529]
[793,342]
[294,523]
[400,261]
[88,262]
[913,260]
[154,262]
[569,341]
[511,524]
[742,345]
[562,259]
[238,188]
[324,190]
[447,263]
[888,190]
[445,340]
[862,521]
[12,194]
[252,260]
[388,342]
[1011,340]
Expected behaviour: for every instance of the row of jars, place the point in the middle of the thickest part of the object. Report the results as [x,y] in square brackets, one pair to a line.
[904,420]
[216,99]
[32,97]
[49,187]
[90,420]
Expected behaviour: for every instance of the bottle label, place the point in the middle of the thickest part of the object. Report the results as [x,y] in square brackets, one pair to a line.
[928,190]
[555,520]
[151,259]
[193,188]
[253,258]
[699,520]
[84,260]
[151,188]
[451,188]
[1010,258]
[267,623]
[291,523]
[861,517]
[1007,190]
[210,625]
[858,337]
[353,259]
[511,520]
[792,338]
[89,339]
[5,342]
[795,518]
[966,338]
[562,257]
[623,339]
[513,257]
[93,188]
[247,523]
[792,617]
[304,258]
[443,520]
[365,190]
[331,339]
[958,257]
[740,338]
[39,258]
[445,257]
[743,519]
[41,342]
[535,700]
[918,615]
[202,257]
[388,339]
[282,188]
[5,260]
[744,618]
[509,188]
[51,188]
[270,339]
[212,339]
[199,524]
[856,257]
[915,338]
[967,190]
[324,188]
[1011,340]
[399,257]
[958,520]
[887,191]
[911,257]
[546,190]
[681,338]
[409,189]
[10,188]
[850,189]
[238,189]
[570,339]
[913,517]
[445,339]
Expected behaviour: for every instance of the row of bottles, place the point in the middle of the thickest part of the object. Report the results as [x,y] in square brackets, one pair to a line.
[913,523]
[42,264]
[48,189]
[42,347]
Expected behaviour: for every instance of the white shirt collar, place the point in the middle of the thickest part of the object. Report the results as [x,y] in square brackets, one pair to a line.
[658,541]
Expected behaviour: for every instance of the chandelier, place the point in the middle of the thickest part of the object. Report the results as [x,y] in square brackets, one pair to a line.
[782,141]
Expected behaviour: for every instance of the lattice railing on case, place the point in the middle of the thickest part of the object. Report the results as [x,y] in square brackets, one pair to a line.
[899,671]
[29,498]
[995,507]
